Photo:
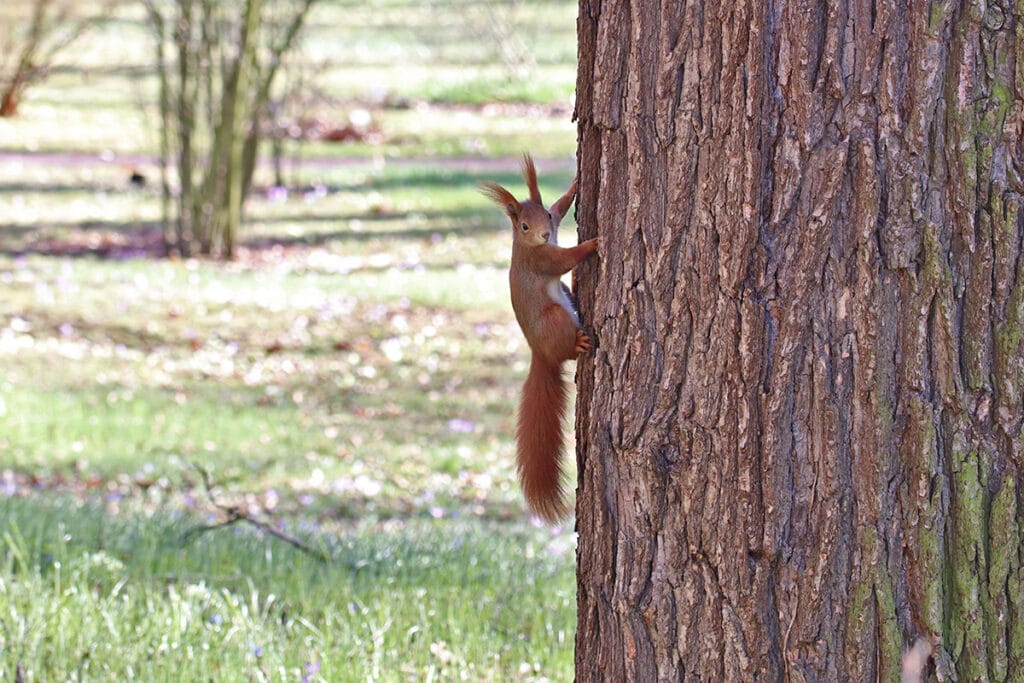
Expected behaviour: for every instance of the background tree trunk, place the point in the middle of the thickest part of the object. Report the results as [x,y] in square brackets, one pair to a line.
[800,434]
[215,81]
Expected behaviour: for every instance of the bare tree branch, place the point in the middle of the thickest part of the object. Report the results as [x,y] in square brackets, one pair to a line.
[233,514]
[48,33]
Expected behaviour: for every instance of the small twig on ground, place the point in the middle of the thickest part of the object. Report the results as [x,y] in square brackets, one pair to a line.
[234,514]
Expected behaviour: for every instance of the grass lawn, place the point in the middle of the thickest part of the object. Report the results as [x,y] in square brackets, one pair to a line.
[351,378]
[85,595]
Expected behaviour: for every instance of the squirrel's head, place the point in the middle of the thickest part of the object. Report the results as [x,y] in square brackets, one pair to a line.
[532,224]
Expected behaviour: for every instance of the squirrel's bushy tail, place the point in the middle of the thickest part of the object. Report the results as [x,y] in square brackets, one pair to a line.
[540,439]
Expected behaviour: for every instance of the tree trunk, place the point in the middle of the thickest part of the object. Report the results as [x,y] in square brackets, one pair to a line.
[159,26]
[188,65]
[238,102]
[800,433]
[9,100]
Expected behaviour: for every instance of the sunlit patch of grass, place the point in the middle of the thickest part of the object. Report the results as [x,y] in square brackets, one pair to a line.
[481,89]
[93,596]
[261,378]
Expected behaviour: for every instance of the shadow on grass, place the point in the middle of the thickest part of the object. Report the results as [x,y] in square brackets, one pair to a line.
[92,239]
[58,188]
[320,239]
[131,71]
[124,239]
[444,216]
[144,239]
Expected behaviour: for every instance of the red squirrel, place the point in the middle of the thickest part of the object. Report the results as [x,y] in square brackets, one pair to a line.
[551,326]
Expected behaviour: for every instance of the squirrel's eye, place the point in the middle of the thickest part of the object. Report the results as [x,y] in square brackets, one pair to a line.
[549,215]
[525,227]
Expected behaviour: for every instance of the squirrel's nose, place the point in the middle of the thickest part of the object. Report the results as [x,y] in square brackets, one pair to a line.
[546,236]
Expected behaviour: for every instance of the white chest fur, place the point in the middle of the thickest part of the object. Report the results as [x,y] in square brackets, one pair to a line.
[558,294]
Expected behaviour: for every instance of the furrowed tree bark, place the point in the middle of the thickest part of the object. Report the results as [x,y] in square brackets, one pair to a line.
[799,436]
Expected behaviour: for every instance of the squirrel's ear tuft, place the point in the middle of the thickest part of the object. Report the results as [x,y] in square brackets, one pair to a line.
[530,175]
[502,197]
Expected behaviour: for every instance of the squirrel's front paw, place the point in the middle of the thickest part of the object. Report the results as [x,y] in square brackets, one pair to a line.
[582,342]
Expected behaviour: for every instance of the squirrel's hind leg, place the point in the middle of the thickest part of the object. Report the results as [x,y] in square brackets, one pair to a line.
[558,335]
